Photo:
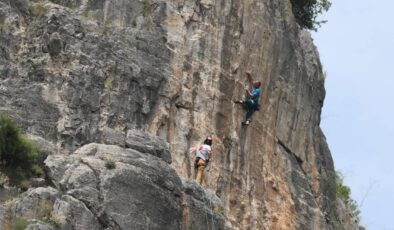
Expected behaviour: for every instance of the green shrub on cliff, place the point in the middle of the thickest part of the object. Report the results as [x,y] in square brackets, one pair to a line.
[306,12]
[343,192]
[20,158]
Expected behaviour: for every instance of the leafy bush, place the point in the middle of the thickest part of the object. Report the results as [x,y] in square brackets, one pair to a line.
[354,210]
[20,159]
[343,191]
[306,12]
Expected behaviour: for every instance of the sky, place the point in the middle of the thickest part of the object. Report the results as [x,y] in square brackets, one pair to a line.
[356,47]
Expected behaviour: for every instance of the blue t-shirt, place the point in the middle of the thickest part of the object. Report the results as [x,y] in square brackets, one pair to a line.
[256,95]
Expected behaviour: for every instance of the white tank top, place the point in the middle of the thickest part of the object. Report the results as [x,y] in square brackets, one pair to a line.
[204,152]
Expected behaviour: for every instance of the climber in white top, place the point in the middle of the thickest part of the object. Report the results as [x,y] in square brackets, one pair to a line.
[203,153]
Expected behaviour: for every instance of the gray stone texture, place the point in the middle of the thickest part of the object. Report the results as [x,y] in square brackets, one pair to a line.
[202,209]
[7,192]
[3,212]
[80,72]
[66,76]
[34,202]
[39,225]
[141,192]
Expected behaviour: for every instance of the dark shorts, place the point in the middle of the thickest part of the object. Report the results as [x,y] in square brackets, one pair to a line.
[251,104]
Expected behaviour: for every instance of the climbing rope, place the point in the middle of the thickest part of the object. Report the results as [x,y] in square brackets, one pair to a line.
[206,214]
[210,204]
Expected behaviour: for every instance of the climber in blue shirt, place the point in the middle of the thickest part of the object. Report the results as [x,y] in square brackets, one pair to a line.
[251,104]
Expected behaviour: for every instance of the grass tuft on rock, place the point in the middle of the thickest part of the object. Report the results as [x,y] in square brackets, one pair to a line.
[109,84]
[147,8]
[38,9]
[20,224]
[57,221]
[110,164]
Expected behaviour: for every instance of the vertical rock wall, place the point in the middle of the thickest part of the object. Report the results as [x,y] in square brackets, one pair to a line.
[76,72]
[278,172]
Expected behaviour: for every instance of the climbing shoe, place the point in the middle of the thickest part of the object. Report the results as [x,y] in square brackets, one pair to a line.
[247,122]
[238,101]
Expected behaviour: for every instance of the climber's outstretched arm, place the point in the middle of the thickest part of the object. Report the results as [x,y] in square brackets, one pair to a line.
[249,77]
[249,92]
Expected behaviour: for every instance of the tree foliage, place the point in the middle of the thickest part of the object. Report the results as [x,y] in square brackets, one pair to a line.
[20,158]
[343,192]
[307,11]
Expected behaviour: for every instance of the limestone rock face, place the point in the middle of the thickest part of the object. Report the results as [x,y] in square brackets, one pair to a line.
[140,191]
[39,225]
[346,215]
[3,212]
[74,73]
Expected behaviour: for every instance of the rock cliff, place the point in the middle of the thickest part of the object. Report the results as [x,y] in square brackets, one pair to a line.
[140,83]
